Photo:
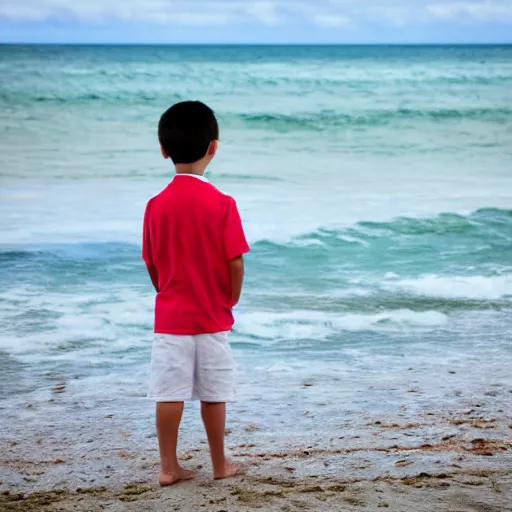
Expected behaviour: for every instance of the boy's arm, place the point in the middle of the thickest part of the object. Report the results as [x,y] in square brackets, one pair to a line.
[236,272]
[235,246]
[153,274]
[146,249]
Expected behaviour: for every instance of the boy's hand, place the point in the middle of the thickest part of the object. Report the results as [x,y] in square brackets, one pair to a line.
[236,272]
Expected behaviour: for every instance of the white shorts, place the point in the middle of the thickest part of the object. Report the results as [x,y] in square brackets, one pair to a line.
[199,367]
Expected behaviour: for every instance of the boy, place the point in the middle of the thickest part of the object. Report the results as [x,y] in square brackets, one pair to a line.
[193,244]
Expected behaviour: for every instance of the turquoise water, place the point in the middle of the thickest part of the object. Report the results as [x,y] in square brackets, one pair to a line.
[375,184]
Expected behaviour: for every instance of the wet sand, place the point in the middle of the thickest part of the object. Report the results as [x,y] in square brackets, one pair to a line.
[447,460]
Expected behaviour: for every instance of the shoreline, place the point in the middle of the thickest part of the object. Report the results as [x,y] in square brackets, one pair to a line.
[447,460]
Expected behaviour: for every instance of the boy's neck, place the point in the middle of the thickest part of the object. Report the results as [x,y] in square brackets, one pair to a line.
[197,168]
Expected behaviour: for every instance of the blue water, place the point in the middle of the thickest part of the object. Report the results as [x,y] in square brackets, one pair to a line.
[375,184]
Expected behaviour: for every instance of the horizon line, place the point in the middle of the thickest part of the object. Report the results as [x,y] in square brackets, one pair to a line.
[282,44]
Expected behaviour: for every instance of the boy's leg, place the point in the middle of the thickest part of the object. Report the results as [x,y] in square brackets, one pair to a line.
[214,419]
[172,382]
[214,383]
[168,418]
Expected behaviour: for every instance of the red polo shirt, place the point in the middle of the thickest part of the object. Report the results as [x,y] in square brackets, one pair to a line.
[191,232]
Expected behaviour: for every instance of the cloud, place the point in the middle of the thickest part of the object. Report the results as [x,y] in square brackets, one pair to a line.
[393,14]
[328,14]
[332,20]
[162,11]
[483,11]
[265,12]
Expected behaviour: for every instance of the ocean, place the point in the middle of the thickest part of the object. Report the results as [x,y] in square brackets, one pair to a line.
[375,184]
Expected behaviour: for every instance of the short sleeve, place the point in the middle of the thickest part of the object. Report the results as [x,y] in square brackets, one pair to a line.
[146,239]
[235,243]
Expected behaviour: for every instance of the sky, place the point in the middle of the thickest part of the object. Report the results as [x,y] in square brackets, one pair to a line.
[248,21]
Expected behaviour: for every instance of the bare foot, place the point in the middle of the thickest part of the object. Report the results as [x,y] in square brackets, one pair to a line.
[230,469]
[167,479]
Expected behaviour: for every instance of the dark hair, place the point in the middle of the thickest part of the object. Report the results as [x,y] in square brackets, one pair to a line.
[186,130]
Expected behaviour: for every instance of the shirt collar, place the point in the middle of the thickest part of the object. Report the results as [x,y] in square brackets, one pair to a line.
[202,178]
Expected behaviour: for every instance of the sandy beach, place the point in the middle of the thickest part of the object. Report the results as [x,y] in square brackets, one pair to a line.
[456,460]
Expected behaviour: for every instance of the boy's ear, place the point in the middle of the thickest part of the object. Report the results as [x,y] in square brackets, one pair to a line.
[164,154]
[212,148]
